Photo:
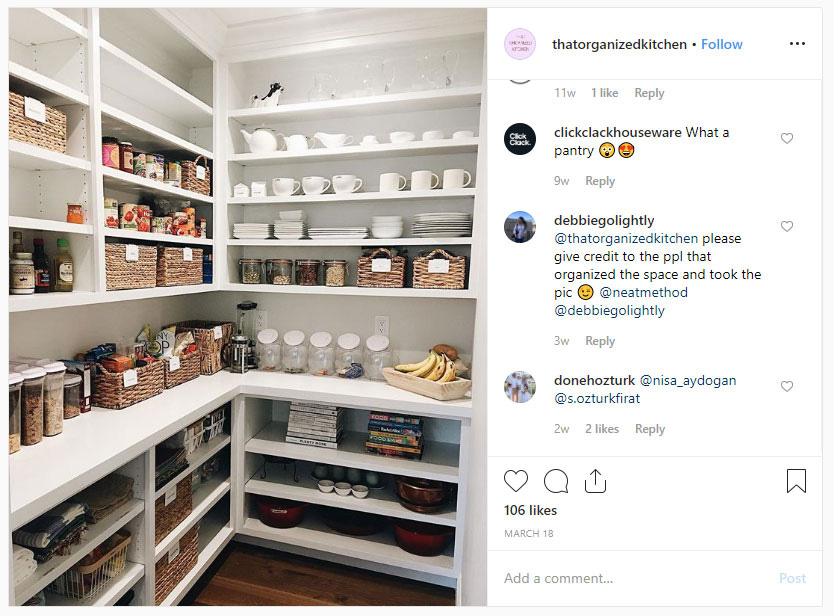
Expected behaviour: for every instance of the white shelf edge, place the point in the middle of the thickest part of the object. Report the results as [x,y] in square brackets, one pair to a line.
[23,303]
[408,293]
[51,160]
[162,238]
[61,19]
[403,195]
[42,224]
[200,455]
[204,560]
[152,185]
[115,590]
[209,494]
[47,83]
[400,241]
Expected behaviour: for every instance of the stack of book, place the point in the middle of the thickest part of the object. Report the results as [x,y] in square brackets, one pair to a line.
[399,436]
[319,425]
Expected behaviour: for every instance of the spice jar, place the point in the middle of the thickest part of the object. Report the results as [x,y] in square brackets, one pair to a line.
[348,351]
[250,271]
[269,350]
[334,273]
[15,384]
[31,414]
[73,396]
[75,213]
[21,274]
[279,271]
[321,354]
[126,156]
[110,152]
[294,352]
[53,398]
[377,357]
[307,272]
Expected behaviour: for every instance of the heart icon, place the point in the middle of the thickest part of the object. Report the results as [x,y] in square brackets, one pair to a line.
[515,479]
[787,137]
[787,385]
[787,225]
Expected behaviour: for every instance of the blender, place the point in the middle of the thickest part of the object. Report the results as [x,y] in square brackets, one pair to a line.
[240,352]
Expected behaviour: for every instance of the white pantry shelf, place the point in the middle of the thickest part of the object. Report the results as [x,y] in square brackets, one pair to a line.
[402,195]
[121,180]
[195,460]
[36,26]
[359,152]
[43,301]
[32,158]
[162,238]
[42,224]
[114,591]
[409,102]
[408,293]
[402,241]
[144,136]
[27,82]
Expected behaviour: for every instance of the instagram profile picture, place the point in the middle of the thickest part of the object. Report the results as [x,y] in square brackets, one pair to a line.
[520,386]
[520,43]
[520,138]
[519,227]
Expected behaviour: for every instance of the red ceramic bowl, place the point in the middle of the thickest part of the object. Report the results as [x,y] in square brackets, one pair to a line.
[280,513]
[421,538]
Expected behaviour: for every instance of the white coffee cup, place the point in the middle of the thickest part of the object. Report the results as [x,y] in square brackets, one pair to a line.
[346,183]
[315,185]
[391,182]
[284,187]
[424,180]
[463,134]
[433,135]
[401,136]
[370,140]
[298,143]
[456,178]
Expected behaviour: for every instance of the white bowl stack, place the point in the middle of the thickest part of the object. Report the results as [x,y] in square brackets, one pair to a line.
[387,227]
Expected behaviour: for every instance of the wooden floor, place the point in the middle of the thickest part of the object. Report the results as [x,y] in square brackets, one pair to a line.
[254,576]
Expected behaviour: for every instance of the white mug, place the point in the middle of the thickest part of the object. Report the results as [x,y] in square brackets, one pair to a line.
[424,180]
[391,182]
[315,185]
[433,135]
[346,183]
[298,143]
[463,134]
[284,187]
[454,178]
[370,140]
[401,136]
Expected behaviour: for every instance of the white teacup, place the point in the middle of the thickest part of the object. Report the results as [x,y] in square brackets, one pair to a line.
[391,182]
[298,143]
[284,187]
[463,134]
[370,140]
[456,178]
[433,135]
[424,180]
[401,136]
[314,185]
[346,183]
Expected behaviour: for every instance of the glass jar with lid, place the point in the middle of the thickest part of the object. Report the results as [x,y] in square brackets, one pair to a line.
[269,350]
[279,271]
[294,352]
[348,351]
[31,412]
[73,396]
[321,355]
[53,397]
[335,272]
[15,385]
[307,272]
[251,271]
[378,355]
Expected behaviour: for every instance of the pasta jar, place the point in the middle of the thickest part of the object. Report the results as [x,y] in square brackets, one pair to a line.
[321,354]
[269,350]
[53,398]
[294,352]
[348,351]
[31,414]
[250,271]
[73,396]
[335,272]
[377,357]
[279,271]
[21,274]
[126,156]
[307,272]
[15,384]
[110,152]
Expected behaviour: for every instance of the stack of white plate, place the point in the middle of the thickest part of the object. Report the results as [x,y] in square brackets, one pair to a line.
[290,229]
[339,233]
[442,224]
[387,227]
[252,231]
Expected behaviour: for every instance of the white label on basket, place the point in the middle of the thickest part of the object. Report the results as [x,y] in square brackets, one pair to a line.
[381,265]
[218,332]
[130,378]
[200,172]
[34,109]
[187,254]
[131,252]
[171,496]
[174,364]
[173,553]
[438,266]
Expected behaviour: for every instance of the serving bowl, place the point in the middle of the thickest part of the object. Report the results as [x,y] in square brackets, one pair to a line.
[342,488]
[280,513]
[421,538]
[326,486]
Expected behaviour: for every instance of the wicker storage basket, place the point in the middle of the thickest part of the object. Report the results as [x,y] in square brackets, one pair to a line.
[366,277]
[109,391]
[170,572]
[455,278]
[190,181]
[189,369]
[210,342]
[86,581]
[172,270]
[51,134]
[177,510]
[124,274]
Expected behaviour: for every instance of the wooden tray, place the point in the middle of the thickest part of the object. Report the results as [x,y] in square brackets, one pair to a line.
[453,390]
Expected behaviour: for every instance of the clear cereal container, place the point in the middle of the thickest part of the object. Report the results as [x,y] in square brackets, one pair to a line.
[73,396]
[294,352]
[15,385]
[53,398]
[321,354]
[348,351]
[31,413]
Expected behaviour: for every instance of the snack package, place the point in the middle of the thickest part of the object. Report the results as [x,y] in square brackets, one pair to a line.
[166,339]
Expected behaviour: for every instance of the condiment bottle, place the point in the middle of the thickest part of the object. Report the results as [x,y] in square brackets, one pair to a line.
[63,267]
[41,261]
[21,274]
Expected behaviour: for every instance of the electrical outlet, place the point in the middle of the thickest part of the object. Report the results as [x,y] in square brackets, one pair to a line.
[381,326]
[260,320]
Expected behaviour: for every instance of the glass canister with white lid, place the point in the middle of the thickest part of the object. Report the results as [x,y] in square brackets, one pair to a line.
[53,397]
[321,354]
[269,350]
[15,384]
[31,413]
[73,396]
[378,355]
[348,352]
[294,352]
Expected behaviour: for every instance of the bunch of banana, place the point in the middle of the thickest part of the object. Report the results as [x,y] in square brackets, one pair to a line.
[438,368]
